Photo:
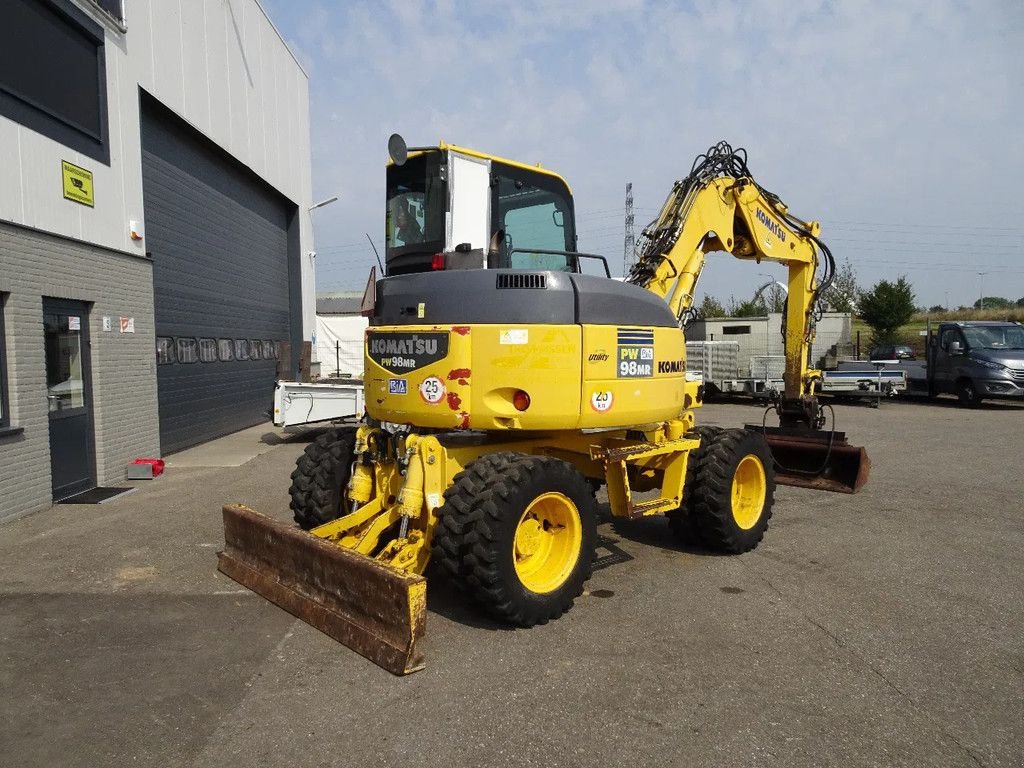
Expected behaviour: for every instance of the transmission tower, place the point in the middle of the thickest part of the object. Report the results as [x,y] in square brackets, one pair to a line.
[629,246]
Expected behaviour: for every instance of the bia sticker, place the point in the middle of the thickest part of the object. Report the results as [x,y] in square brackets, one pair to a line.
[601,401]
[432,390]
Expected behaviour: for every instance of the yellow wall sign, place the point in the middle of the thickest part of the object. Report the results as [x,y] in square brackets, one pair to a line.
[77,183]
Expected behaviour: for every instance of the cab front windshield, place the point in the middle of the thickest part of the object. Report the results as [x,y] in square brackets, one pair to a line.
[415,206]
[995,337]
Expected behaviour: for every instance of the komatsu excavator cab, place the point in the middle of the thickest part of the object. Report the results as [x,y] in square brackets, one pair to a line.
[454,208]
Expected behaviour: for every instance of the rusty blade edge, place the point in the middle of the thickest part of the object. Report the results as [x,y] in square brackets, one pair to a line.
[395,659]
[375,610]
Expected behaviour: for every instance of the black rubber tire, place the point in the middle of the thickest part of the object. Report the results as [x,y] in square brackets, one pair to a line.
[710,502]
[320,476]
[681,519]
[476,537]
[461,507]
[967,393]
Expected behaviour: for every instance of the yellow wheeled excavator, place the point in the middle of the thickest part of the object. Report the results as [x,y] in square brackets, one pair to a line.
[503,384]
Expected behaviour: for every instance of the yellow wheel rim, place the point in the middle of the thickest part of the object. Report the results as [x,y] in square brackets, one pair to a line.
[749,488]
[548,541]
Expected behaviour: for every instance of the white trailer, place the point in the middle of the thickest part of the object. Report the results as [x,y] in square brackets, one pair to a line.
[725,370]
[299,404]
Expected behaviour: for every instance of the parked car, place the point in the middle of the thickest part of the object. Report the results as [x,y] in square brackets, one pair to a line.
[977,360]
[892,352]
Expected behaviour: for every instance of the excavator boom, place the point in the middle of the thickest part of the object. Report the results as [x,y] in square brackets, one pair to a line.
[720,207]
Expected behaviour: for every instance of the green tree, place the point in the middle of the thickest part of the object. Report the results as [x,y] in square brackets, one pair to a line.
[710,307]
[993,302]
[844,293]
[886,307]
[748,308]
[1020,301]
[936,308]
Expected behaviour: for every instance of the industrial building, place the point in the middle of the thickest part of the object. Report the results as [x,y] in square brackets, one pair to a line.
[156,254]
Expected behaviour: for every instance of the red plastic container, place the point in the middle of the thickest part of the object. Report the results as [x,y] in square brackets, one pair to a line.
[157,464]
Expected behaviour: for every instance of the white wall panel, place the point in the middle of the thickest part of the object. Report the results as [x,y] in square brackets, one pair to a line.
[168,62]
[194,46]
[12,204]
[218,85]
[240,78]
[259,84]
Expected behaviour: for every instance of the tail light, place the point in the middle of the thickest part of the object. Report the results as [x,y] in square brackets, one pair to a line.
[437,262]
[521,400]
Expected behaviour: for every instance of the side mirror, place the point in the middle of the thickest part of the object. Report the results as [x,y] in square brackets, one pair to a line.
[397,149]
[955,348]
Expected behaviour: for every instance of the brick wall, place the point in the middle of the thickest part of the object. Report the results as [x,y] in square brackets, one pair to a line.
[34,265]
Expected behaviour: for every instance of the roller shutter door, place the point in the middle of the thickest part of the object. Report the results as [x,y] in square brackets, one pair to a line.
[219,240]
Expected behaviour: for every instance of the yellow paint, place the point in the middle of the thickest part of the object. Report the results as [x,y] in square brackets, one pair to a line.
[548,540]
[482,372]
[749,488]
[77,183]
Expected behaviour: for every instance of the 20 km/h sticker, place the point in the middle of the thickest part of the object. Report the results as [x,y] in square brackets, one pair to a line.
[602,401]
[432,390]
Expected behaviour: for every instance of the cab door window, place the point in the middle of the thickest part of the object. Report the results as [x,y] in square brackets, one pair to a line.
[532,211]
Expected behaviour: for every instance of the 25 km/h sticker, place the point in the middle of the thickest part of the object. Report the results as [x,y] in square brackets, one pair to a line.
[432,390]
[602,401]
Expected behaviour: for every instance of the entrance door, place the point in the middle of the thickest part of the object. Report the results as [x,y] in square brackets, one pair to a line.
[68,397]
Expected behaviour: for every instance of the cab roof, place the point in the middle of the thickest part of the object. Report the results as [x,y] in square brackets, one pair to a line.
[538,168]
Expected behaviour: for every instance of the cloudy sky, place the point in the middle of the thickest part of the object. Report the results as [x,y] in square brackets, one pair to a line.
[899,126]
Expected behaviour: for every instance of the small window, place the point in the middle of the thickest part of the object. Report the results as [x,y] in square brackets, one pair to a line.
[735,330]
[53,74]
[268,349]
[188,351]
[165,351]
[255,349]
[225,350]
[5,414]
[113,8]
[241,349]
[208,350]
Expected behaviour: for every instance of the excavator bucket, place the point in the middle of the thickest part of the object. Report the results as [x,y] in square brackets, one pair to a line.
[823,461]
[375,610]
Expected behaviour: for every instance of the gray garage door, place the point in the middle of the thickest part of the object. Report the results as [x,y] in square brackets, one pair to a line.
[220,240]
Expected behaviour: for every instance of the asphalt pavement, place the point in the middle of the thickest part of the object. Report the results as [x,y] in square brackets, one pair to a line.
[881,629]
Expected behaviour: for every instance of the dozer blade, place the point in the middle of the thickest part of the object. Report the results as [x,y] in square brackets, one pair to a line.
[823,461]
[375,610]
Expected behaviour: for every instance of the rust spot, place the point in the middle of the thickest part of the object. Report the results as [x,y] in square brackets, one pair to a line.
[463,421]
[460,374]
[687,401]
[454,401]
[462,330]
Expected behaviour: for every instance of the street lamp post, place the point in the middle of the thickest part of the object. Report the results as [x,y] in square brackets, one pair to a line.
[981,289]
